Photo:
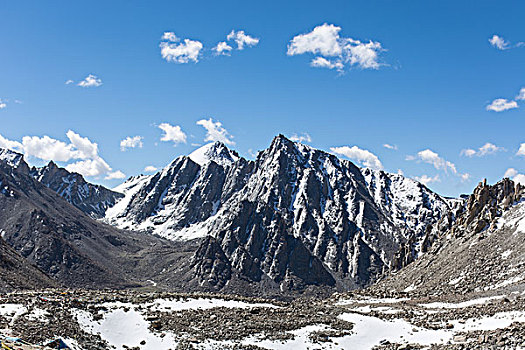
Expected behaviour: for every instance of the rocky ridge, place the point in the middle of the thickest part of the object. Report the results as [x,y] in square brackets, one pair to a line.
[295,217]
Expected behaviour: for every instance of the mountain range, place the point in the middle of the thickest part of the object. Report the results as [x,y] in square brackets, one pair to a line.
[295,220]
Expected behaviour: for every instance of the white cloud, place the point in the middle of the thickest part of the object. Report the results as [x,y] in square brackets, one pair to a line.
[321,62]
[510,173]
[90,81]
[69,81]
[2,104]
[115,175]
[172,50]
[12,145]
[47,148]
[488,148]
[150,169]
[521,151]
[170,36]
[365,55]
[242,39]
[465,177]
[301,138]
[521,94]
[323,40]
[501,104]
[172,133]
[90,167]
[520,178]
[499,43]
[222,48]
[513,174]
[131,142]
[85,149]
[425,179]
[334,51]
[363,156]
[431,157]
[215,131]
[389,146]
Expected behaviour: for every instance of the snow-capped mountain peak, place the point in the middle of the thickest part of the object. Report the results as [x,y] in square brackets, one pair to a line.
[214,152]
[10,157]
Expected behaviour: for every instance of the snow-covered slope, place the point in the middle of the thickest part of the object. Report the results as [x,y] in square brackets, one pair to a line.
[296,215]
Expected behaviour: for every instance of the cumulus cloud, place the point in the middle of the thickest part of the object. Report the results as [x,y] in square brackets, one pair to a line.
[501,104]
[3,104]
[334,51]
[499,43]
[115,175]
[47,148]
[131,142]
[389,146]
[173,50]
[514,175]
[301,138]
[12,145]
[242,39]
[89,162]
[363,156]
[172,133]
[321,62]
[486,149]
[521,94]
[69,81]
[521,151]
[215,131]
[425,179]
[222,48]
[90,81]
[430,157]
[150,169]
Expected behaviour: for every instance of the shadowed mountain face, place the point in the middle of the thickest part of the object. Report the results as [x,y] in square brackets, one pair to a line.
[17,273]
[295,217]
[69,245]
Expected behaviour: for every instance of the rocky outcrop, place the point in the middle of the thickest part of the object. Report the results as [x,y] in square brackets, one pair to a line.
[92,199]
[477,248]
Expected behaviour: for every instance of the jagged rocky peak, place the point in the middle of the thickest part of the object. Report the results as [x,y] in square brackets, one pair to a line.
[11,158]
[214,152]
[487,203]
[297,216]
[90,198]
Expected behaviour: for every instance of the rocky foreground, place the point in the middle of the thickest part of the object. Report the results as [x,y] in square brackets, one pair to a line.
[159,320]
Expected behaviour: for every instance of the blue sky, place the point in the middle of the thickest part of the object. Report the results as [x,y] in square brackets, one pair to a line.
[418,76]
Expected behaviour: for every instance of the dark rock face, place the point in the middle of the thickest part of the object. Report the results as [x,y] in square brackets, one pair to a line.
[91,199]
[17,273]
[69,245]
[295,217]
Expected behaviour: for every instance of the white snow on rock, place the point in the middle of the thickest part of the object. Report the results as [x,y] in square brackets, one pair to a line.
[214,151]
[120,328]
[10,157]
[463,304]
